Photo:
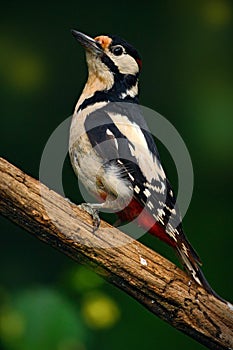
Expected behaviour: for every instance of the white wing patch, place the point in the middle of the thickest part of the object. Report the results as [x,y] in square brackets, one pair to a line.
[149,165]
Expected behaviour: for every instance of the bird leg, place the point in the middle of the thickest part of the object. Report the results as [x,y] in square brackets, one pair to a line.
[94,212]
[93,209]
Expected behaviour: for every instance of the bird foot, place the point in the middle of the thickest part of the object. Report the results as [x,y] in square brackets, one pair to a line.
[87,207]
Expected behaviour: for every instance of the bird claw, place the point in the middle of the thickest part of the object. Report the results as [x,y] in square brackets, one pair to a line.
[94,214]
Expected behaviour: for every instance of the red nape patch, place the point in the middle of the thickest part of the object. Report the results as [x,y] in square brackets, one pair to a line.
[146,221]
[139,62]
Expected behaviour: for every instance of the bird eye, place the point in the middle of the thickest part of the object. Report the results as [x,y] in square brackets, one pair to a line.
[117,50]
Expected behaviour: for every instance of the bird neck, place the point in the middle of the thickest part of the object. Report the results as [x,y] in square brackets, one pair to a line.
[121,88]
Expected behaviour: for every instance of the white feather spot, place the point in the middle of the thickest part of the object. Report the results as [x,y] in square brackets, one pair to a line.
[160,219]
[131,149]
[161,212]
[147,193]
[172,210]
[185,249]
[172,234]
[109,133]
[132,92]
[156,188]
[137,189]
[131,176]
[163,187]
[150,205]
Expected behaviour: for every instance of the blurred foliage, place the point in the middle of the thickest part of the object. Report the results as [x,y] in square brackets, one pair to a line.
[217,12]
[82,280]
[46,300]
[61,319]
[41,319]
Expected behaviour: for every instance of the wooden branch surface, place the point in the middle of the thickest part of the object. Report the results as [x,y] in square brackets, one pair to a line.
[142,273]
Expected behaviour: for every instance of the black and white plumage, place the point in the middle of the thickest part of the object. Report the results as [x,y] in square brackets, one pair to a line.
[113,152]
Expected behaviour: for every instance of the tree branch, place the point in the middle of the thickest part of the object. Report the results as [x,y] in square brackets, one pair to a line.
[149,278]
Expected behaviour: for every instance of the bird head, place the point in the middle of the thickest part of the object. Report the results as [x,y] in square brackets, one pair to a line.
[110,58]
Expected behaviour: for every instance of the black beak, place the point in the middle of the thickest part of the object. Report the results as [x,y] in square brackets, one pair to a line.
[87,42]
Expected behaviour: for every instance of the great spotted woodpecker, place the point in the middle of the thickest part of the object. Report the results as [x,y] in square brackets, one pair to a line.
[114,154]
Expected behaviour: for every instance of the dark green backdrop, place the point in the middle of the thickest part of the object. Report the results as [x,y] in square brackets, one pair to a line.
[47,301]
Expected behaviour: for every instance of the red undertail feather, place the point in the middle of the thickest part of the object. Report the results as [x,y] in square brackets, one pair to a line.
[146,221]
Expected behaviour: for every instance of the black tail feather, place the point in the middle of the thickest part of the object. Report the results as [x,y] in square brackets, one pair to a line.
[191,263]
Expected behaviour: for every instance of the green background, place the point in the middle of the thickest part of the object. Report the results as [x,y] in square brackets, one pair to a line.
[46,300]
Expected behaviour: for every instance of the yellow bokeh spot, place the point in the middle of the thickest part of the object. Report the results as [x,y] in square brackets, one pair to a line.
[26,72]
[217,12]
[12,325]
[21,68]
[100,311]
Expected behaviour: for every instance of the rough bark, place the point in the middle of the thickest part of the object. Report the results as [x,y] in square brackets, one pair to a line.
[142,273]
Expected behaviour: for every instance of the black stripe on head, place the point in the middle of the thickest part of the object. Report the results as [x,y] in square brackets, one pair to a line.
[111,65]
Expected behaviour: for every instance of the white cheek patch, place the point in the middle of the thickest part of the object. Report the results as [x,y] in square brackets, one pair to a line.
[125,63]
